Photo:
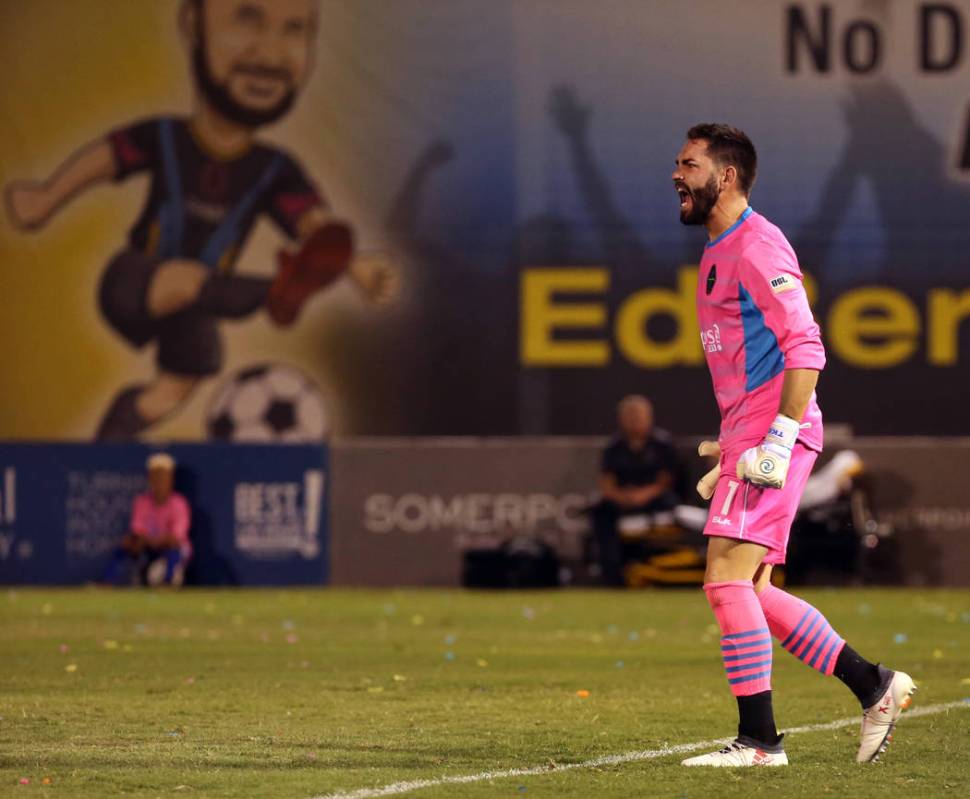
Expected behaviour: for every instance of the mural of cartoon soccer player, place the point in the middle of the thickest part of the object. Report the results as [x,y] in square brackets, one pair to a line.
[210,180]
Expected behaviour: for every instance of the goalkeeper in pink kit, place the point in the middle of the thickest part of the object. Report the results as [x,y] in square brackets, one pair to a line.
[764,352]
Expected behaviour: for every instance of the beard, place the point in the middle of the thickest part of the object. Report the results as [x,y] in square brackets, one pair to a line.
[703,201]
[219,97]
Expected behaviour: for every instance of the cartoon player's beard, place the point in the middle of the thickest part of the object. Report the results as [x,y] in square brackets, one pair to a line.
[219,97]
[703,201]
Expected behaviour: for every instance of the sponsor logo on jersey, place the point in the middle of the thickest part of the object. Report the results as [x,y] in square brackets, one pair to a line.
[711,339]
[724,521]
[782,283]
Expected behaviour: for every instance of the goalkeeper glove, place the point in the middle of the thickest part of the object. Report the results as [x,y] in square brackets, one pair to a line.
[707,484]
[767,463]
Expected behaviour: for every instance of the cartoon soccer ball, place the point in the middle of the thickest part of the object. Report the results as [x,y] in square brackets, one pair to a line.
[270,403]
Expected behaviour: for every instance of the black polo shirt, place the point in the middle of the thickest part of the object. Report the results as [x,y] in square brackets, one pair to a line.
[640,467]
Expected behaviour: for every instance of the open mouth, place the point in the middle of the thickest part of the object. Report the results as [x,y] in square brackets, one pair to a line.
[263,88]
[685,197]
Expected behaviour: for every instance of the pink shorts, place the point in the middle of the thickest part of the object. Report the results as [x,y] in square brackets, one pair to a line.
[763,516]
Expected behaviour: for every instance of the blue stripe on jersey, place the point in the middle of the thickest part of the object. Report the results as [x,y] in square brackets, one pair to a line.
[763,358]
[747,212]
[172,212]
[227,234]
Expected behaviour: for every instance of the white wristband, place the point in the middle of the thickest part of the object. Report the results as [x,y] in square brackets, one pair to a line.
[783,432]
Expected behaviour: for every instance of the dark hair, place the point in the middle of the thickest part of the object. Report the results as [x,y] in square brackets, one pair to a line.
[731,146]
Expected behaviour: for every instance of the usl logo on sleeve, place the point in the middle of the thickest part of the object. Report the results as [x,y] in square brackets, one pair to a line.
[781,283]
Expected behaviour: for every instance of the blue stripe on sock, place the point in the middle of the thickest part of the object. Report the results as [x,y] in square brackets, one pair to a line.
[808,628]
[765,640]
[729,658]
[736,680]
[835,645]
[758,665]
[821,648]
[818,634]
[741,635]
[798,626]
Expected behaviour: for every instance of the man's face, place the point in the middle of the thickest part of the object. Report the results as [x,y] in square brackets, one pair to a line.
[251,57]
[636,419]
[160,481]
[696,180]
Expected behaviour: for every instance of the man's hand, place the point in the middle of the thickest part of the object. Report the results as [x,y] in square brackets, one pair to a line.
[642,495]
[707,484]
[767,464]
[377,277]
[28,204]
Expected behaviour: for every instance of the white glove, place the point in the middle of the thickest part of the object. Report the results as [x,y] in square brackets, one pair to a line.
[707,484]
[767,464]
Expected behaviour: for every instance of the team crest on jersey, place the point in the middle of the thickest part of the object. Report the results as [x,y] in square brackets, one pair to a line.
[711,279]
[781,283]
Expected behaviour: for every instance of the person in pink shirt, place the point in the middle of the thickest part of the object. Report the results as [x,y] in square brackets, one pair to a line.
[764,351]
[159,532]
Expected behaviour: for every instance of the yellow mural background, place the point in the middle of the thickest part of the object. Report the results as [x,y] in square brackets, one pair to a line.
[75,70]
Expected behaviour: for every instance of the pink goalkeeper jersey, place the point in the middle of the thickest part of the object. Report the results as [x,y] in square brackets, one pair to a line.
[173,517]
[755,323]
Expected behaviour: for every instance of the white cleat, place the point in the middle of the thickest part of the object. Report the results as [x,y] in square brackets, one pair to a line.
[879,721]
[737,754]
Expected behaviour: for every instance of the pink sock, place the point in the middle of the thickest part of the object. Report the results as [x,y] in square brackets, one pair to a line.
[745,639]
[802,630]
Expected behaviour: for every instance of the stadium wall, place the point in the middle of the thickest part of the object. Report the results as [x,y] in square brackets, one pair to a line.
[259,513]
[379,512]
[405,509]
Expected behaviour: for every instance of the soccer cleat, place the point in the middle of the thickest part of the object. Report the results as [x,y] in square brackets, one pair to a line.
[879,721]
[324,256]
[738,753]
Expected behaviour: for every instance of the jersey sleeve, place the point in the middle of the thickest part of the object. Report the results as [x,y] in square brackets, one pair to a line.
[292,196]
[134,147]
[770,276]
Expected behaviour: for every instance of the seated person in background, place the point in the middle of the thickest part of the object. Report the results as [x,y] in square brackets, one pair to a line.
[636,477]
[159,535]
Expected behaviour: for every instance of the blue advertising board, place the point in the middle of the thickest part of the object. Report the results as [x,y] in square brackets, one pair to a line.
[259,512]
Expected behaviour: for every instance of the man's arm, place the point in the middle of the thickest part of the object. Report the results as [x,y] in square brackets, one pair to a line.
[644,495]
[770,274]
[796,392]
[632,496]
[31,203]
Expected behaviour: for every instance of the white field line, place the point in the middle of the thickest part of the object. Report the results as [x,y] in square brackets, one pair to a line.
[606,760]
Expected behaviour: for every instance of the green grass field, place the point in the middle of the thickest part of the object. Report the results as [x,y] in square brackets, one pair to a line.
[303,693]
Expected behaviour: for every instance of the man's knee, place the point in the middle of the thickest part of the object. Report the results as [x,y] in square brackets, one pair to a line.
[174,286]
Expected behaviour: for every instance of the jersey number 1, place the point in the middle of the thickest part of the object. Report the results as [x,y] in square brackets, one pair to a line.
[732,490]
